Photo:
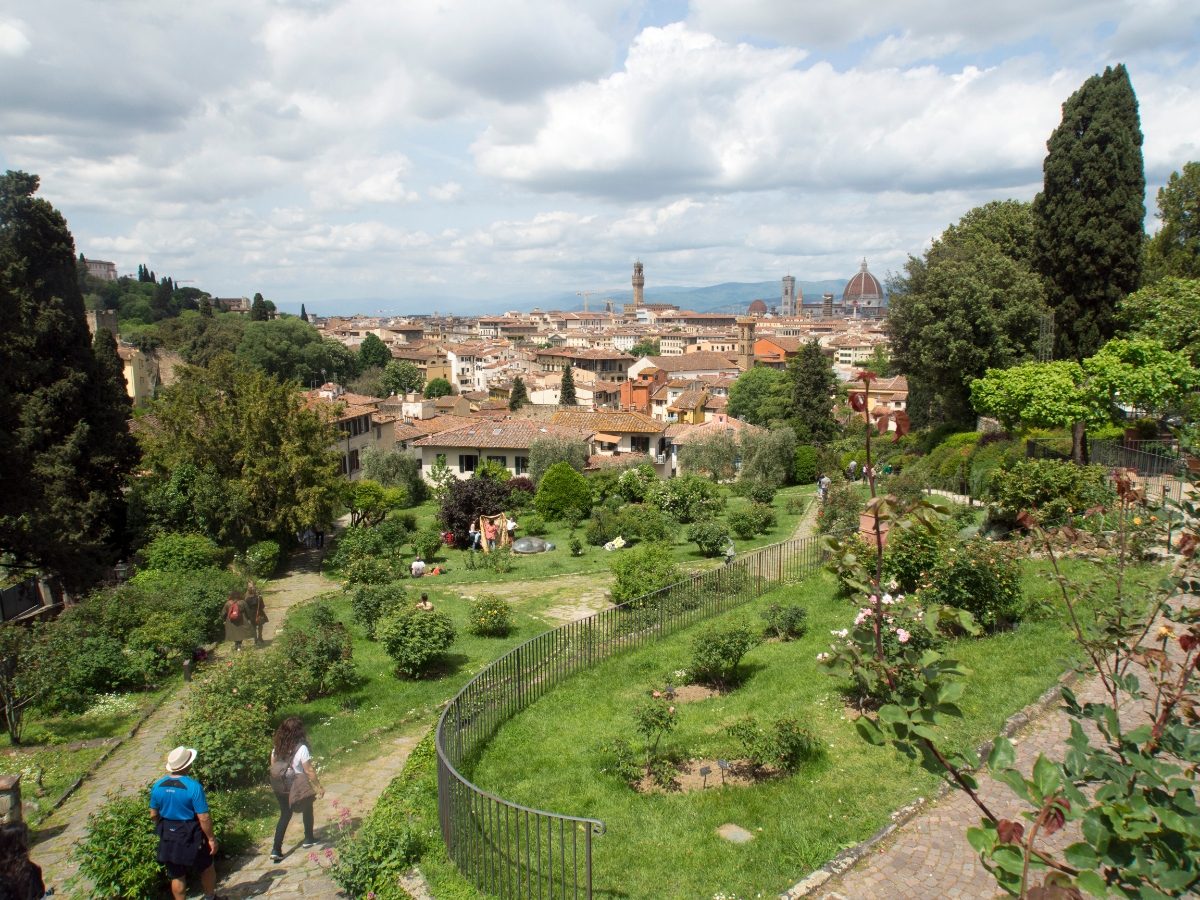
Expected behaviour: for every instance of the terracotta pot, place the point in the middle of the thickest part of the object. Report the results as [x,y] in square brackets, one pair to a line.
[866,527]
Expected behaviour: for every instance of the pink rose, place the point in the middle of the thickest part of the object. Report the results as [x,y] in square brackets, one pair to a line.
[902,636]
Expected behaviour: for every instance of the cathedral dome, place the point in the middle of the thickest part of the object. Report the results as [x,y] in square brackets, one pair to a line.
[758,308]
[863,289]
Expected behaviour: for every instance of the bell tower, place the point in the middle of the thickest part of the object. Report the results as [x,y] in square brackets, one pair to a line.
[787,302]
[639,284]
[745,325]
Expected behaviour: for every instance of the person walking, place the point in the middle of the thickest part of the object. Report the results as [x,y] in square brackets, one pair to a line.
[257,608]
[238,625]
[179,810]
[294,781]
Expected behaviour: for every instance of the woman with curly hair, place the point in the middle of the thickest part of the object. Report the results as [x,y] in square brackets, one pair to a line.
[291,757]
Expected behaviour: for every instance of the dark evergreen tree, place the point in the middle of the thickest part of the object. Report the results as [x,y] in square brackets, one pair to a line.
[205,307]
[813,386]
[64,440]
[1175,251]
[373,353]
[518,396]
[303,314]
[566,390]
[258,309]
[1090,212]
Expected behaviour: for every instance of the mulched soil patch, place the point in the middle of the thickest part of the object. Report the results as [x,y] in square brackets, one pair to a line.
[741,773]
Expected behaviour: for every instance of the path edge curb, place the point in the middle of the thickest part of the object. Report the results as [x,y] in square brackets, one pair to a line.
[905,814]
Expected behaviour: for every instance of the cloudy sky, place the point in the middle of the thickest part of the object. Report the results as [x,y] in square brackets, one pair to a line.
[404,152]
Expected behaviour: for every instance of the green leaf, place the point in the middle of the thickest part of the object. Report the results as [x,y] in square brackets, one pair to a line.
[1092,883]
[1009,858]
[982,839]
[1046,776]
[1003,755]
[1082,856]
[869,732]
[892,714]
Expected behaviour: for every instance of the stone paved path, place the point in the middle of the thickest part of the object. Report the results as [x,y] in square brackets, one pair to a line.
[139,760]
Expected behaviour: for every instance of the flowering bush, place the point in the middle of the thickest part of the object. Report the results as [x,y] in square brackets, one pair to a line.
[369,862]
[912,555]
[980,576]
[490,617]
[1053,490]
[838,516]
[688,498]
[710,536]
[319,657]
[415,639]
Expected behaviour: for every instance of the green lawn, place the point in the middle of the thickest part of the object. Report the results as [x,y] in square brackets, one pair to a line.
[666,846]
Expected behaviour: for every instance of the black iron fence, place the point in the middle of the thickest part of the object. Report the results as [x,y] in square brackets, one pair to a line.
[510,850]
[1161,475]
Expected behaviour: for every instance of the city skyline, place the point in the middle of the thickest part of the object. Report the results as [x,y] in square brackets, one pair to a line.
[316,151]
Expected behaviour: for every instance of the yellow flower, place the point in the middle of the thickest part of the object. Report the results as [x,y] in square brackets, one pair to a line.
[1166,632]
[1137,520]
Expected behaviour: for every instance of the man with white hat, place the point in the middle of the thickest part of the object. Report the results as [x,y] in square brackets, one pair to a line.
[179,810]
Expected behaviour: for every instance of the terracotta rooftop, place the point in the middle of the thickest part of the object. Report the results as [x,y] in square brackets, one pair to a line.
[510,434]
[693,362]
[611,421]
[718,424]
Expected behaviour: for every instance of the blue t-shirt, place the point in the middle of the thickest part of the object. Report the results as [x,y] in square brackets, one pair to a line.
[179,803]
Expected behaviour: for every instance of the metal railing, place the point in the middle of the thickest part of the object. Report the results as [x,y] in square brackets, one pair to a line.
[510,850]
[1162,477]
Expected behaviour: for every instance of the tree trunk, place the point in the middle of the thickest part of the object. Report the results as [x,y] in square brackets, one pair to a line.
[1079,443]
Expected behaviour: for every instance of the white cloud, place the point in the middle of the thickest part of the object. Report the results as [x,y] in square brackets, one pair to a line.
[13,41]
[446,192]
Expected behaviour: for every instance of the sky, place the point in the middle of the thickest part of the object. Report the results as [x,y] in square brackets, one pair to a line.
[391,156]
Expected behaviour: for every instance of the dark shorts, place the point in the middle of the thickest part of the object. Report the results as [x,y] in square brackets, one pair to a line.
[203,861]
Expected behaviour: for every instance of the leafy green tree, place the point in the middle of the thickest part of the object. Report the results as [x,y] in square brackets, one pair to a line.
[206,308]
[402,377]
[258,309]
[369,383]
[1175,250]
[65,448]
[545,452]
[1090,212]
[395,468]
[369,502]
[714,456]
[562,489]
[643,570]
[293,350]
[261,463]
[769,456]
[373,352]
[1167,311]
[1140,374]
[566,390]
[971,303]
[518,396]
[813,387]
[645,347]
[439,387]
[761,396]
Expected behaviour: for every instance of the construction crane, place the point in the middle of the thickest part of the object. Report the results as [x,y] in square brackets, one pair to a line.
[585,295]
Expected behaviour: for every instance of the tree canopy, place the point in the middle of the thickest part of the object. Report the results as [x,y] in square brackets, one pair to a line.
[714,455]
[645,347]
[1090,212]
[235,454]
[439,387]
[373,353]
[1175,249]
[402,377]
[1167,311]
[566,388]
[293,350]
[813,386]
[971,303]
[518,396]
[65,448]
[761,396]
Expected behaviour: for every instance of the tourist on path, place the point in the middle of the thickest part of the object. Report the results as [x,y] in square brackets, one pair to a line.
[20,878]
[257,608]
[238,624]
[298,777]
[181,819]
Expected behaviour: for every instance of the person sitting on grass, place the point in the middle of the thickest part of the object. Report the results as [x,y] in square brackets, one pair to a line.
[418,567]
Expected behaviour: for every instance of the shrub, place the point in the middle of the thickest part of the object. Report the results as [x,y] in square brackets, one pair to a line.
[653,720]
[576,546]
[649,523]
[786,622]
[492,469]
[786,743]
[119,851]
[490,617]
[319,657]
[562,488]
[632,483]
[742,524]
[912,555]
[688,498]
[161,643]
[232,739]
[79,662]
[262,559]
[980,576]
[839,513]
[603,526]
[371,860]
[370,602]
[415,639]
[175,552]
[643,570]
[763,516]
[499,560]
[427,542]
[534,525]
[371,554]
[1053,489]
[756,490]
[805,465]
[710,536]
[717,651]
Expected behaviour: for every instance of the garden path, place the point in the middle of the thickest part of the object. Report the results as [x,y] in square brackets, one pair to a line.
[139,759]
[807,526]
[929,856]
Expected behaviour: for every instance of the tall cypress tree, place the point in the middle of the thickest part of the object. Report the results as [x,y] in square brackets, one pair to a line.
[519,395]
[1091,210]
[64,440]
[813,385]
[566,390]
[303,314]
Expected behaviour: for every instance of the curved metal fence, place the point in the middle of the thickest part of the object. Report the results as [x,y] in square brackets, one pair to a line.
[510,850]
